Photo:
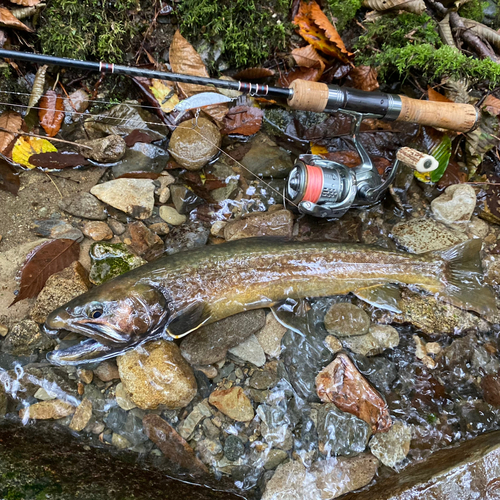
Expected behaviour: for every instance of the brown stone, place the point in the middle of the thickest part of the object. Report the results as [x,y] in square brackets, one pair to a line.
[107,371]
[233,402]
[97,230]
[142,241]
[342,384]
[172,445]
[278,223]
[490,384]
[82,415]
[47,410]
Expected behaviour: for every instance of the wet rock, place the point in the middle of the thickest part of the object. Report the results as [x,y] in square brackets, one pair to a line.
[116,226]
[3,330]
[455,205]
[337,476]
[379,371]
[209,450]
[176,450]
[249,350]
[82,415]
[188,426]
[184,199]
[107,371]
[226,174]
[275,458]
[140,159]
[233,448]
[340,433]
[209,344]
[132,196]
[163,192]
[193,234]
[477,228]
[56,229]
[142,241]
[391,447]
[170,215]
[86,376]
[105,150]
[60,288]
[279,223]
[194,143]
[109,260]
[115,419]
[47,410]
[263,379]
[157,374]
[233,402]
[160,228]
[379,338]
[490,385]
[345,319]
[24,338]
[217,228]
[270,336]
[76,102]
[123,399]
[83,205]
[334,344]
[97,231]
[43,395]
[120,442]
[275,426]
[342,384]
[266,159]
[423,235]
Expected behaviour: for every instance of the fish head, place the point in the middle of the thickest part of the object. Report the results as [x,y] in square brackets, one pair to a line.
[116,313]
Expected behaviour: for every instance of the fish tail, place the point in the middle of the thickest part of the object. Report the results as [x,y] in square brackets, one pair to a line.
[463,278]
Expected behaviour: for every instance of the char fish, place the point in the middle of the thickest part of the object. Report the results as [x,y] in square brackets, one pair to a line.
[178,293]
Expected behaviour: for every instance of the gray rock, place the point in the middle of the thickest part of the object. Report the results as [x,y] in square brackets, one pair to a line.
[195,143]
[184,199]
[345,319]
[391,447]
[263,379]
[378,338]
[83,205]
[278,223]
[341,433]
[249,350]
[141,158]
[225,173]
[233,448]
[56,229]
[424,235]
[132,196]
[275,426]
[187,427]
[192,234]
[116,226]
[116,418]
[275,458]
[105,150]
[24,338]
[266,159]
[455,205]
[209,344]
[270,336]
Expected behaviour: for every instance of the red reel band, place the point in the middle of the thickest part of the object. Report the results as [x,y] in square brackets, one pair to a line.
[314,184]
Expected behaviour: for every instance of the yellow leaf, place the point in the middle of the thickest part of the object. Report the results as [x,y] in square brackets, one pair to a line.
[161,90]
[27,146]
[423,176]
[318,150]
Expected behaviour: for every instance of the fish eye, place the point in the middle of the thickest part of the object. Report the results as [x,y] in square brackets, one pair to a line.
[94,310]
[96,313]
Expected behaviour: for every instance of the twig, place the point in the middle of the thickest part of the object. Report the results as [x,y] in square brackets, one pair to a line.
[52,180]
[43,137]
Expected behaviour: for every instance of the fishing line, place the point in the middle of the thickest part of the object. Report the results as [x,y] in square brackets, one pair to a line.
[107,117]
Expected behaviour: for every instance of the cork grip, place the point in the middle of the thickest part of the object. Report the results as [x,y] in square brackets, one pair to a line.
[450,116]
[308,96]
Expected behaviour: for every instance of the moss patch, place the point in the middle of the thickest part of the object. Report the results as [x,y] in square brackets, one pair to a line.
[344,11]
[473,10]
[250,29]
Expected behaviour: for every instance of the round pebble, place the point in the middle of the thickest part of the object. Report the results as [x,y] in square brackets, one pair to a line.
[170,215]
[345,319]
[97,231]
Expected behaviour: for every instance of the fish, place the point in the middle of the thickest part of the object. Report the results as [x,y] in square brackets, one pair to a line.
[177,294]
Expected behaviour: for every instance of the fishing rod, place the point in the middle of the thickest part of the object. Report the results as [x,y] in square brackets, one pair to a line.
[317,186]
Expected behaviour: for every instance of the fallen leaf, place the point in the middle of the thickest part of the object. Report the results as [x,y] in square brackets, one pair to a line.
[363,78]
[414,6]
[145,85]
[492,105]
[307,57]
[26,3]
[454,174]
[488,202]
[12,122]
[254,74]
[42,262]
[26,146]
[317,30]
[9,180]
[310,74]
[244,120]
[56,161]
[316,149]
[165,94]
[138,136]
[436,96]
[37,90]
[51,112]
[7,20]
[184,59]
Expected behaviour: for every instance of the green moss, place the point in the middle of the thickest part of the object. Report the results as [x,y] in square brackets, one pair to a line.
[473,10]
[344,11]
[250,29]
[88,29]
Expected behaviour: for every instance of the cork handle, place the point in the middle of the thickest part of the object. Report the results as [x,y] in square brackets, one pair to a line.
[447,115]
[308,96]
[417,160]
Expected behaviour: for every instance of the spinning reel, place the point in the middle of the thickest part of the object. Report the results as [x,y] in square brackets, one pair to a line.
[325,188]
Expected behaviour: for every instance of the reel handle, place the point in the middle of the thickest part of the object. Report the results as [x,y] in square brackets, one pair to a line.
[320,97]
[417,160]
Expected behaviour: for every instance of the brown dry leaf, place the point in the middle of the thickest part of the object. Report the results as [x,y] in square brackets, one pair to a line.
[310,74]
[317,30]
[488,34]
[254,74]
[363,78]
[37,90]
[54,161]
[307,57]
[51,112]
[26,3]
[492,105]
[184,59]
[42,262]
[7,20]
[342,384]
[244,120]
[436,96]
[414,6]
[136,136]
[9,180]
[11,121]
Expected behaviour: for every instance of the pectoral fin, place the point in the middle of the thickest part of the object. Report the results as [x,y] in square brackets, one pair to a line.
[383,296]
[187,320]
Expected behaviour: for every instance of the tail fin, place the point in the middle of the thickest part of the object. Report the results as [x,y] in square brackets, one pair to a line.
[463,278]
